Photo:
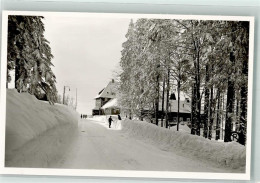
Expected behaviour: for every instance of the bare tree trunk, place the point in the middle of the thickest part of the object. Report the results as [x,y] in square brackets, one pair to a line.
[243,102]
[167,99]
[197,111]
[16,77]
[197,90]
[237,109]
[178,118]
[157,101]
[206,104]
[163,102]
[223,116]
[229,107]
[211,112]
[193,110]
[244,88]
[218,116]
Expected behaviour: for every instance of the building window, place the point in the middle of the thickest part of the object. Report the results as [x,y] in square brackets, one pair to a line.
[187,100]
[188,119]
[181,118]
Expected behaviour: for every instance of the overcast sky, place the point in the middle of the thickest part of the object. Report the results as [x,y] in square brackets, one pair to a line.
[86,51]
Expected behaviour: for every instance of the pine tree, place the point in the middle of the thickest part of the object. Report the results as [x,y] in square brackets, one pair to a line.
[29,54]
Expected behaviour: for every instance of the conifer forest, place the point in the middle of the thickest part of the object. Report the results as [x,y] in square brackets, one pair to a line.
[207,60]
[29,54]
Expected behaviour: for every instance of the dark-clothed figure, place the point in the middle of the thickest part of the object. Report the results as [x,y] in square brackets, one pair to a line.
[119,117]
[81,116]
[110,121]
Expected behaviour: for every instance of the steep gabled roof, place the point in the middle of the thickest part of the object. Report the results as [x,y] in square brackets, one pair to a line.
[108,91]
[185,107]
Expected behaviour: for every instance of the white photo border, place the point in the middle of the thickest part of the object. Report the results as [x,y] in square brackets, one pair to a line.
[123,173]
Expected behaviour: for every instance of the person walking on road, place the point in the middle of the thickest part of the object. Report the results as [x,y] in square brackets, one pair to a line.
[119,117]
[110,121]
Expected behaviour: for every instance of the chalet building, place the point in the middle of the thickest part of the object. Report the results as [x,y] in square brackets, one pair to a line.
[106,102]
[184,109]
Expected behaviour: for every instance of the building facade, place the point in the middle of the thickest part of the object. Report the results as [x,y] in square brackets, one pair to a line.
[105,101]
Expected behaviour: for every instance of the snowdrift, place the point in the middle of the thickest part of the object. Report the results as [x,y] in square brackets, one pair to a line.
[222,154]
[182,128]
[100,118]
[30,122]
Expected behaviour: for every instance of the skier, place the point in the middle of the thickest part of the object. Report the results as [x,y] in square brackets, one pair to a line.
[119,117]
[81,116]
[110,121]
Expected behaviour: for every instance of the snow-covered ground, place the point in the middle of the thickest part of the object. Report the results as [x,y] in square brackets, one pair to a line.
[97,147]
[231,154]
[47,136]
[30,122]
[103,120]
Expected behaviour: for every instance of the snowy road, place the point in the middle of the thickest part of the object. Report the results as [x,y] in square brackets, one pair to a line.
[97,147]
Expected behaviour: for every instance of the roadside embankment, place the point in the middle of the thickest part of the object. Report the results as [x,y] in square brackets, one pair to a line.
[36,131]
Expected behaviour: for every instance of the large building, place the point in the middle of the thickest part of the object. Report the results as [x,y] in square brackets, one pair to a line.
[106,102]
[184,110]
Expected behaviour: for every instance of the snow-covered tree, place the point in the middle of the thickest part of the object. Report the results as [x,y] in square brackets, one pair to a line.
[29,54]
[208,60]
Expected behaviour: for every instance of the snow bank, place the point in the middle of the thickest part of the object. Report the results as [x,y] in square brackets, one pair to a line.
[101,118]
[182,128]
[30,122]
[222,154]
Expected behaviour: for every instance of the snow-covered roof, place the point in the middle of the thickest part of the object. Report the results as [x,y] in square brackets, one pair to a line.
[110,104]
[108,91]
[185,107]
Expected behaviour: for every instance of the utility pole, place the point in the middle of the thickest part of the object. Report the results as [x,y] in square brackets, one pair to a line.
[64,89]
[63,98]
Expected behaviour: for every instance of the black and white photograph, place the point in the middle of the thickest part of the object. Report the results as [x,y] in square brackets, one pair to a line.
[126,95]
